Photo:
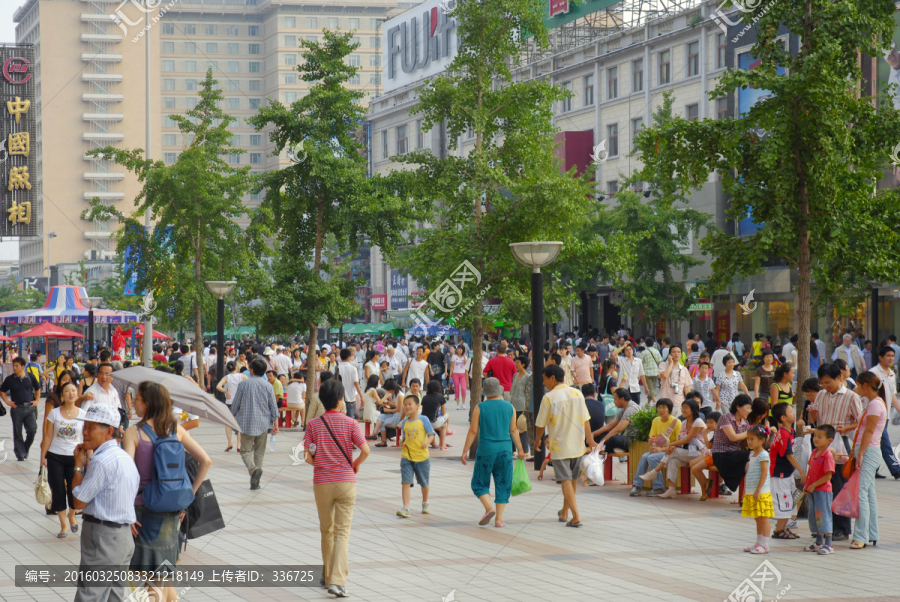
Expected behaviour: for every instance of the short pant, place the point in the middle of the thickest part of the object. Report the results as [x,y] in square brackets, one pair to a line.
[566,469]
[421,470]
[783,496]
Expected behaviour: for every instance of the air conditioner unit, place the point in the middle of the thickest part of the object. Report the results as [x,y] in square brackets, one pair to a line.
[91,255]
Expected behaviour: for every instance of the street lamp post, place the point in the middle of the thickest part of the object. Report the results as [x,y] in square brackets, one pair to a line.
[49,273]
[220,288]
[93,303]
[536,255]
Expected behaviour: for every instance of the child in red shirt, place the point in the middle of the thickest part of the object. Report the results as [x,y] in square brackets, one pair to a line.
[782,467]
[818,486]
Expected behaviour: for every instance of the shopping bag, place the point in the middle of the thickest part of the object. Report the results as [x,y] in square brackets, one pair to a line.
[802,449]
[520,481]
[42,488]
[592,464]
[839,450]
[847,501]
[203,516]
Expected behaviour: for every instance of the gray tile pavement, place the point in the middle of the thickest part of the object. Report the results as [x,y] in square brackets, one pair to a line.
[631,549]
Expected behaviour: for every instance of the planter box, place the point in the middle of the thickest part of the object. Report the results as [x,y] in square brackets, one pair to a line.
[638,449]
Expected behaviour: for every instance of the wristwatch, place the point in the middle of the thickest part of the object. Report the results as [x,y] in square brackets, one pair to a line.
[79,469]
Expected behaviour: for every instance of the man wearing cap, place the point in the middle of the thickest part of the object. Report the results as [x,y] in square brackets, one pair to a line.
[24,391]
[104,487]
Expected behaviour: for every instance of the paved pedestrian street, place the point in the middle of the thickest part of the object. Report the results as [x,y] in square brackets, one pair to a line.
[630,549]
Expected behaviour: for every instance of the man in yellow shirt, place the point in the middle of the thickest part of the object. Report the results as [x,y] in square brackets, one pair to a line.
[665,425]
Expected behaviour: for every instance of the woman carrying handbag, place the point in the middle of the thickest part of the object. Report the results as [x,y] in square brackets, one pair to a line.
[865,456]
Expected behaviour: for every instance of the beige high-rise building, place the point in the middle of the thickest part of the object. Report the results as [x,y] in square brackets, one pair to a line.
[90,67]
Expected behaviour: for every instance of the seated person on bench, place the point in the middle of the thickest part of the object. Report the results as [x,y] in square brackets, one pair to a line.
[618,432]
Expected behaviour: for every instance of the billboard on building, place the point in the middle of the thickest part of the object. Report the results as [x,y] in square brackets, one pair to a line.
[20,213]
[889,66]
[399,290]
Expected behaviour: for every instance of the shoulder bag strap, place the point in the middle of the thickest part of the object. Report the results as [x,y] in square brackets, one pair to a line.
[860,427]
[333,438]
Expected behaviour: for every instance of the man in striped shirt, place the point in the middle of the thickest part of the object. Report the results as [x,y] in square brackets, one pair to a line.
[840,407]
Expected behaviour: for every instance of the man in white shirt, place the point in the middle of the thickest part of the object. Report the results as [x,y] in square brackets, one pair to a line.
[189,359]
[395,362]
[350,379]
[103,392]
[850,354]
[888,378]
[417,368]
[820,345]
[789,351]
[282,362]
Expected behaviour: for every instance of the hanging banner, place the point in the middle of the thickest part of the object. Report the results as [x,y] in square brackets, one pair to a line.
[18,183]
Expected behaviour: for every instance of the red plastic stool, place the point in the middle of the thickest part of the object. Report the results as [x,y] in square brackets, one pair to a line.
[714,479]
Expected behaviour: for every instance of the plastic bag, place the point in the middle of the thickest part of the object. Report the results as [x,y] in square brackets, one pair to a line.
[847,501]
[802,449]
[42,488]
[839,450]
[592,464]
[520,481]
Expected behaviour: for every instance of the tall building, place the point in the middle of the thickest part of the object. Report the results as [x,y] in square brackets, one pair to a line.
[90,66]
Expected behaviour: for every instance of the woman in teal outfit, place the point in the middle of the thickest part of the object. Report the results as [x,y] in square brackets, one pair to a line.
[494,421]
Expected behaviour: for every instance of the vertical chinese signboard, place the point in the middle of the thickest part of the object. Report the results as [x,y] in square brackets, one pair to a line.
[399,290]
[18,184]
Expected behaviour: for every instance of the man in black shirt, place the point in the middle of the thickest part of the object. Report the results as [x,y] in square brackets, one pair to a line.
[24,392]
[595,408]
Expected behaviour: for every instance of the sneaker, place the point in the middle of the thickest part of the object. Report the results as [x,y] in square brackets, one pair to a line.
[648,476]
[669,493]
[724,490]
[840,537]
[813,547]
[792,525]
[763,550]
[403,512]
[656,493]
[426,508]
[825,550]
[336,591]
[635,491]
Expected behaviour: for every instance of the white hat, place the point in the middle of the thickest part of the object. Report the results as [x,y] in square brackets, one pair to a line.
[102,413]
[268,352]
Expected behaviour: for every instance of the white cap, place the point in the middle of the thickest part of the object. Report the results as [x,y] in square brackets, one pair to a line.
[102,413]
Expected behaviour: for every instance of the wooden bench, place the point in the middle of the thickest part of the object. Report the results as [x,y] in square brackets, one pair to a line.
[284,417]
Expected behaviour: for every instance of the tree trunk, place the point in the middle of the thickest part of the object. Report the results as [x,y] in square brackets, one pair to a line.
[475,393]
[198,322]
[803,291]
[312,359]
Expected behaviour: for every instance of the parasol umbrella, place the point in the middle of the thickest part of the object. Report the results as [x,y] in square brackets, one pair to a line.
[140,328]
[184,393]
[49,330]
[6,338]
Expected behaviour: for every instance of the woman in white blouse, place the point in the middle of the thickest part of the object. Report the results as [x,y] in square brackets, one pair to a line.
[228,385]
[62,434]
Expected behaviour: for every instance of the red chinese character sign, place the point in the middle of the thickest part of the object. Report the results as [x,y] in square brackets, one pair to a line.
[559,7]
[19,213]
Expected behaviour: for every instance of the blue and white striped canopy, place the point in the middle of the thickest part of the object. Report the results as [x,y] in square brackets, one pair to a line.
[64,306]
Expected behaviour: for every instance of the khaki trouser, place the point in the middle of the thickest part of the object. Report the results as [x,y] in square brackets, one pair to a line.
[253,449]
[335,502]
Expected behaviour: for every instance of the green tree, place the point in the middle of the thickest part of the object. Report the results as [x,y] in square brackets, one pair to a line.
[803,161]
[11,298]
[508,188]
[195,204]
[324,196]
[646,240]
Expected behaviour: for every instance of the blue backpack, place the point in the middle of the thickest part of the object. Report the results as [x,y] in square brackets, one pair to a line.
[169,490]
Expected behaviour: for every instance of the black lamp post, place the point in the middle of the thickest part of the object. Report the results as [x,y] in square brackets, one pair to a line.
[536,255]
[93,303]
[220,288]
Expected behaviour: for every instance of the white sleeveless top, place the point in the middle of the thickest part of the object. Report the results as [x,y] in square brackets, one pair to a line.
[231,385]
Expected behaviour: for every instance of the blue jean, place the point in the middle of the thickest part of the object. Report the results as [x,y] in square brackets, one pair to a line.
[648,462]
[820,519]
[887,452]
[866,526]
[420,470]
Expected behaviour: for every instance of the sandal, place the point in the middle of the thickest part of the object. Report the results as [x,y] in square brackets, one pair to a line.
[73,528]
[812,548]
[487,517]
[784,534]
[857,545]
[62,535]
[500,525]
[228,449]
[572,524]
[381,445]
[759,550]
[560,517]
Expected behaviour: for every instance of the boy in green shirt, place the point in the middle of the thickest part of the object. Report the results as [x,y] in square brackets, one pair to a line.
[418,434]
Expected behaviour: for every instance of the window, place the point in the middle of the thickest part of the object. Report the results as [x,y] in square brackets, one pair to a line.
[234,104]
[254,85]
[721,108]
[254,103]
[637,75]
[168,84]
[168,29]
[290,79]
[190,29]
[253,30]
[212,48]
[233,48]
[333,23]
[168,47]
[420,135]
[566,103]
[234,159]
[211,30]
[169,158]
[354,80]
[312,23]
[720,50]
[253,49]
[190,66]
[190,103]
[693,58]
[384,144]
[255,158]
[692,112]
[290,22]
[353,23]
[354,60]
[214,65]
[233,67]
[290,97]
[612,138]
[374,24]
[255,139]
[253,67]
[168,66]
[256,196]
[168,139]
[312,39]
[665,67]
[374,42]
[375,78]
[190,48]
[374,60]
[190,84]
[612,82]
[290,41]
[168,122]
[290,60]
[588,90]
[232,31]
[234,85]
[636,124]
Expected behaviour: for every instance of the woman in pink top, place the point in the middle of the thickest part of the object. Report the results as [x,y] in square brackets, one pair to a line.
[867,451]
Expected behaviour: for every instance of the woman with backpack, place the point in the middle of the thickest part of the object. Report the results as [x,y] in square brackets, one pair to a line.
[156,532]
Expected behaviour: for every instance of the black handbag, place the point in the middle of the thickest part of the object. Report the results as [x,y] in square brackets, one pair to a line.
[203,516]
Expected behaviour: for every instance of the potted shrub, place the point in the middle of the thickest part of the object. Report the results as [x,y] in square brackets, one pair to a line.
[642,421]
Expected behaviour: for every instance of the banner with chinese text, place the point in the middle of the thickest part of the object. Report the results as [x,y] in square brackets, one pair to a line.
[18,152]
